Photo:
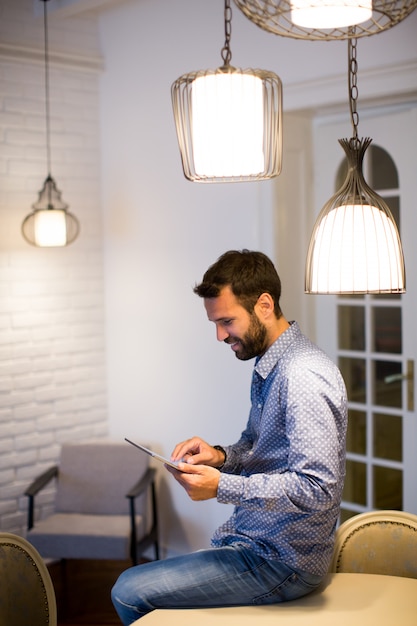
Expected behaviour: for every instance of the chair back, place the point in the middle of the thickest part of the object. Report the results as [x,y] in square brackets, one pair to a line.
[27,595]
[377,542]
[95,476]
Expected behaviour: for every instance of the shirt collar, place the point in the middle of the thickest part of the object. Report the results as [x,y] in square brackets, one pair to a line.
[266,363]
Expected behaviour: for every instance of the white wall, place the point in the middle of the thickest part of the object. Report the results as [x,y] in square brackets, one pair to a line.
[168,379]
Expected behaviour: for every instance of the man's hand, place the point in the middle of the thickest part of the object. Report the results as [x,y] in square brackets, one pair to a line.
[195,451]
[199,481]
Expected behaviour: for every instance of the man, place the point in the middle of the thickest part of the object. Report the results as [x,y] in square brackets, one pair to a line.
[284,476]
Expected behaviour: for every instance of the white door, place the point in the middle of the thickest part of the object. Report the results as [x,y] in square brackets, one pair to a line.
[374,338]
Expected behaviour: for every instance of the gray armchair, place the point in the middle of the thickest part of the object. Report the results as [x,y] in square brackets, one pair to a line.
[105,506]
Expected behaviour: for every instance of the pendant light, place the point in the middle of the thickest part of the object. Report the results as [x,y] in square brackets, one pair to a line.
[325,20]
[228,121]
[355,246]
[49,224]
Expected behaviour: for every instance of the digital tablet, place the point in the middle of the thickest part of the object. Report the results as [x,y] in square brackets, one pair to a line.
[156,456]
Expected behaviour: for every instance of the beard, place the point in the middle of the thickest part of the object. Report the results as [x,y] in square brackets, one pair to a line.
[253,343]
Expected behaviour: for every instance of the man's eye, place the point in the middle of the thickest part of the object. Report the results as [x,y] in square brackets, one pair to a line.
[227,322]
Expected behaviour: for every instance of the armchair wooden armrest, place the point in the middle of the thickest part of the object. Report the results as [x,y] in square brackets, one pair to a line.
[39,483]
[142,484]
[147,481]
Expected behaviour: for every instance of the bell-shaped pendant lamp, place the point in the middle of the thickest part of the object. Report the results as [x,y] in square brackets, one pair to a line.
[355,246]
[49,224]
[330,13]
[228,121]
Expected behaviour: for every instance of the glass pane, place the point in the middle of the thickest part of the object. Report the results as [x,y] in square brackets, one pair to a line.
[383,173]
[388,488]
[388,437]
[387,329]
[387,391]
[351,324]
[355,482]
[354,374]
[356,432]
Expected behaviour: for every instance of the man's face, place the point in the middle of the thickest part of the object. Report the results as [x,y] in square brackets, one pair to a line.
[244,332]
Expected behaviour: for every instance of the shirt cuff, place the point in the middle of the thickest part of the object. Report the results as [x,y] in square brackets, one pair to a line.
[230,489]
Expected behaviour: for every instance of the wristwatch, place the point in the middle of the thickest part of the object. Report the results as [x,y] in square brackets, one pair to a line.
[225,455]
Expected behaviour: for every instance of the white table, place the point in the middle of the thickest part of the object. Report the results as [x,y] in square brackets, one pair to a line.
[344,600]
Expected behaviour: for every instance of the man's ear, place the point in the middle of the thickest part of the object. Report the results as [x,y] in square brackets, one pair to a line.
[265,306]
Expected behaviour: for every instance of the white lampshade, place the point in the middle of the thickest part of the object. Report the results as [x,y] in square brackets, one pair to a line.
[50,228]
[229,124]
[356,250]
[355,246]
[330,13]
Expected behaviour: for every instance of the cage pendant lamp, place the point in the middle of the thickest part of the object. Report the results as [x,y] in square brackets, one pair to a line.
[325,20]
[228,121]
[355,246]
[49,224]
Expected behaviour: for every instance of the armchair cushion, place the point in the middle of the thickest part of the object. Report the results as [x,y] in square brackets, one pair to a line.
[80,536]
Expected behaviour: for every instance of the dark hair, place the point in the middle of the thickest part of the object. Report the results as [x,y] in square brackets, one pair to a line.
[247,273]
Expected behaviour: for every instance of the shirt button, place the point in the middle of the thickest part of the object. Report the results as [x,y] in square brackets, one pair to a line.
[259,406]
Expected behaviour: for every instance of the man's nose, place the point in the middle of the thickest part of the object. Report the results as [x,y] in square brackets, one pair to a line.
[221,333]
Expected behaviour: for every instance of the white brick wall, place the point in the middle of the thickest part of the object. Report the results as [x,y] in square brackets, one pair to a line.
[52,352]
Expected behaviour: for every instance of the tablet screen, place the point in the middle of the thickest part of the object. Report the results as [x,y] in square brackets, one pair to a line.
[156,456]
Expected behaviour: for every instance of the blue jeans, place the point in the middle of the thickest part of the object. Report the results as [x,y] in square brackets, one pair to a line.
[228,576]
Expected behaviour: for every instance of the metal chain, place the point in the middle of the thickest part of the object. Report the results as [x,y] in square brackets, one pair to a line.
[353,83]
[226,52]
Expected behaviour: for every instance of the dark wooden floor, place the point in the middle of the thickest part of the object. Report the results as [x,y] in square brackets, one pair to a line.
[82,591]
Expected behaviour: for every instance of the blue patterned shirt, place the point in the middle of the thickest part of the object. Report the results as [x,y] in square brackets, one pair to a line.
[285,475]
